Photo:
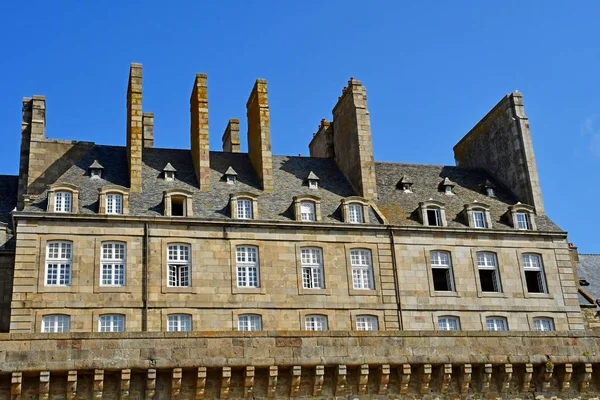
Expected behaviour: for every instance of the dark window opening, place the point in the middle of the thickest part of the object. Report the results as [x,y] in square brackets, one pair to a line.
[534,282]
[441,280]
[433,217]
[489,280]
[178,206]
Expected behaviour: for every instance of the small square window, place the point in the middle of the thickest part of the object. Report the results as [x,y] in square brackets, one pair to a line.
[231,179]
[313,184]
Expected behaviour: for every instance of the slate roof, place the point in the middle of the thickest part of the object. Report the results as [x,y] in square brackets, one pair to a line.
[290,174]
[8,202]
[588,268]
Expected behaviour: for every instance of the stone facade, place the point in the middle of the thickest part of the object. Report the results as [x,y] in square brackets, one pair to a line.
[368,251]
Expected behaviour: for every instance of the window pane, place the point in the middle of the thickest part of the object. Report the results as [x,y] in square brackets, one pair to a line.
[523,221]
[307,211]
[244,209]
[249,323]
[362,271]
[247,266]
[355,213]
[448,324]
[315,323]
[366,323]
[56,323]
[111,323]
[479,219]
[179,323]
[441,271]
[434,217]
[312,268]
[543,324]
[496,324]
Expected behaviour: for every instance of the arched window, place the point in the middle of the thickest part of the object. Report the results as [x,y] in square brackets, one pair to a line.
[249,322]
[178,265]
[247,266]
[367,323]
[57,323]
[312,268]
[315,322]
[179,323]
[111,323]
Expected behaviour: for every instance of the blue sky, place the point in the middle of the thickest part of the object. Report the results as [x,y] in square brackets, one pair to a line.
[432,70]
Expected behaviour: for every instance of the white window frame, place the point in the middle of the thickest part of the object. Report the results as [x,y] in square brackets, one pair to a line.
[59,263]
[111,323]
[367,323]
[543,324]
[63,201]
[438,216]
[249,323]
[247,266]
[313,184]
[530,265]
[179,323]
[308,211]
[355,213]
[56,323]
[479,219]
[361,263]
[113,264]
[438,262]
[179,267]
[523,220]
[487,260]
[316,322]
[114,203]
[448,323]
[312,268]
[244,209]
[496,324]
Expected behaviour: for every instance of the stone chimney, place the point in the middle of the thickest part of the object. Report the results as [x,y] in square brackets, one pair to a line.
[259,134]
[199,131]
[134,127]
[352,146]
[33,127]
[321,145]
[148,124]
[231,137]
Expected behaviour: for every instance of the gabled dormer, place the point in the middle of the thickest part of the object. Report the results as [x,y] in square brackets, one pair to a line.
[447,186]
[96,170]
[405,184]
[169,172]
[312,181]
[230,176]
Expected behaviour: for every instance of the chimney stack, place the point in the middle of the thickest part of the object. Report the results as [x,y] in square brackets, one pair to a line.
[259,134]
[33,127]
[148,124]
[321,145]
[134,127]
[352,144]
[199,131]
[231,137]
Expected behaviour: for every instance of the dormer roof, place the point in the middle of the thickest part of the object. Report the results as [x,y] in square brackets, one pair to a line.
[230,171]
[169,168]
[312,177]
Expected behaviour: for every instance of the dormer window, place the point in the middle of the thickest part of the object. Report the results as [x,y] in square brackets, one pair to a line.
[448,186]
[478,215]
[169,172]
[522,217]
[313,180]
[96,170]
[488,188]
[113,199]
[355,210]
[231,176]
[307,208]
[243,205]
[405,184]
[178,203]
[432,213]
[63,198]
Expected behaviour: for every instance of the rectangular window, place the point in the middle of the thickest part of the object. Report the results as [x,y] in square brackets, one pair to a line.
[247,266]
[58,264]
[355,213]
[434,217]
[112,264]
[315,323]
[479,219]
[441,271]
[249,322]
[114,203]
[543,324]
[244,209]
[523,221]
[496,324]
[56,323]
[312,269]
[179,323]
[307,211]
[62,202]
[111,323]
[178,206]
[362,269]
[488,272]
[534,273]
[366,323]
[178,265]
[448,324]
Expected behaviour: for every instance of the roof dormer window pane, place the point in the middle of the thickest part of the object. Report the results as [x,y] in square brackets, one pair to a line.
[479,219]
[523,221]
[114,203]
[307,211]
[62,202]
[244,209]
[355,213]
[434,217]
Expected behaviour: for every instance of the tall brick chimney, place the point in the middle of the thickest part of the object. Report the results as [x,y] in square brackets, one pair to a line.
[199,131]
[148,124]
[352,145]
[231,136]
[259,134]
[134,127]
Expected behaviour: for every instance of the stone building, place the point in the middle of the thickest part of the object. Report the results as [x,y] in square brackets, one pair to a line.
[166,254]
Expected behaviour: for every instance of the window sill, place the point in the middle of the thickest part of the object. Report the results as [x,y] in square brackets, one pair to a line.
[248,290]
[178,289]
[538,295]
[363,292]
[56,289]
[444,294]
[500,295]
[112,289]
[314,292]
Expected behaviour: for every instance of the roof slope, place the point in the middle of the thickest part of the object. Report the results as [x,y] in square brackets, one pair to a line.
[588,268]
[8,196]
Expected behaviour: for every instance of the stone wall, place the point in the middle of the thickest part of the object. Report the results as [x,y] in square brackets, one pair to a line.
[7,260]
[591,317]
[367,365]
[501,143]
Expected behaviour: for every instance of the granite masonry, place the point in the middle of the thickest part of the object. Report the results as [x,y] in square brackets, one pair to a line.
[137,272]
